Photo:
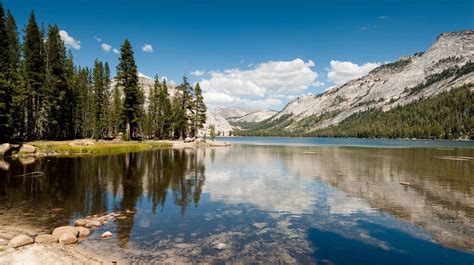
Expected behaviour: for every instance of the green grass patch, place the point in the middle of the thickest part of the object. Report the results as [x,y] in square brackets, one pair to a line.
[97,148]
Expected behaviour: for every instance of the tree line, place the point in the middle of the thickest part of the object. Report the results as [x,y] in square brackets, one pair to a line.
[44,95]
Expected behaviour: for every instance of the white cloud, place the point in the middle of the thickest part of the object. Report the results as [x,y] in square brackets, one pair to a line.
[260,85]
[147,48]
[106,47]
[341,72]
[197,73]
[97,39]
[115,51]
[69,41]
[383,17]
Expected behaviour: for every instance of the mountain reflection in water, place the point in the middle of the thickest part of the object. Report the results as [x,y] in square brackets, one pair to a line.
[259,200]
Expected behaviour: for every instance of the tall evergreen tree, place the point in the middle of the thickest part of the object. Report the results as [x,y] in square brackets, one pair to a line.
[182,106]
[116,110]
[127,78]
[55,102]
[34,73]
[13,76]
[200,109]
[165,111]
[107,100]
[5,131]
[99,96]
[153,122]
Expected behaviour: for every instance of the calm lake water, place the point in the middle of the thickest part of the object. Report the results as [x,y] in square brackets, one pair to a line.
[324,202]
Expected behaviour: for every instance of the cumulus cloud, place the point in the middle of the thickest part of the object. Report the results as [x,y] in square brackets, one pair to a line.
[115,51]
[147,48]
[97,39]
[106,47]
[69,41]
[260,85]
[341,72]
[197,73]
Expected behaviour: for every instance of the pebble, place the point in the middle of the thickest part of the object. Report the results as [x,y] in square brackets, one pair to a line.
[106,234]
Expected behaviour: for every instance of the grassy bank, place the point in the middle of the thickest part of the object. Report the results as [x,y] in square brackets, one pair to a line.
[89,147]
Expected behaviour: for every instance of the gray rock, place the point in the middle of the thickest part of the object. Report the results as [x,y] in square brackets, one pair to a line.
[83,232]
[67,238]
[27,149]
[80,222]
[46,239]
[93,223]
[5,149]
[21,240]
[65,229]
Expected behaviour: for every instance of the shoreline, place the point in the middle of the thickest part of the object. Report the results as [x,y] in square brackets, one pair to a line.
[87,147]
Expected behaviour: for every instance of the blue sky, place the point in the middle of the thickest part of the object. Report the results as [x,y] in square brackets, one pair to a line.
[251,53]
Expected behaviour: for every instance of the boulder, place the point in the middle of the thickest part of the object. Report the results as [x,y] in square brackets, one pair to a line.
[46,239]
[67,238]
[59,231]
[5,149]
[80,222]
[106,234]
[27,149]
[26,160]
[93,223]
[83,232]
[21,240]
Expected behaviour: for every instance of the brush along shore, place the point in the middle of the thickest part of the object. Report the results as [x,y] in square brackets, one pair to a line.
[92,147]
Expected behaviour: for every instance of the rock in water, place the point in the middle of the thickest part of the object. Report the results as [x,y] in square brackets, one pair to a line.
[106,234]
[46,239]
[65,229]
[220,246]
[83,232]
[93,223]
[5,149]
[20,240]
[68,238]
[27,149]
[80,222]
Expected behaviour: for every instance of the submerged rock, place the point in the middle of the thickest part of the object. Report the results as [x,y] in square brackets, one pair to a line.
[20,240]
[106,234]
[219,246]
[46,239]
[67,238]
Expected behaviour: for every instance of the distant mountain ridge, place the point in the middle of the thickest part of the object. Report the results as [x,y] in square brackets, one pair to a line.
[447,64]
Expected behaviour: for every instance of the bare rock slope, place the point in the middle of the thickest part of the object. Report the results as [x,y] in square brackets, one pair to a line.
[418,76]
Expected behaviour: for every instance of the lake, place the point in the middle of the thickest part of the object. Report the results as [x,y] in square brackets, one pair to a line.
[265,200]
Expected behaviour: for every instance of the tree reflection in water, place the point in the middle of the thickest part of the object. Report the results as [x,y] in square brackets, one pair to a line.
[81,186]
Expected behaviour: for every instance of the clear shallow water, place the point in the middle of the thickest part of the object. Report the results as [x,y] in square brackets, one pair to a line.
[289,204]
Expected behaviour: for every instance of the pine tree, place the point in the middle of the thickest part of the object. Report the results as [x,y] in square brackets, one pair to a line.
[106,103]
[5,130]
[34,74]
[99,96]
[127,78]
[200,109]
[54,103]
[13,76]
[165,112]
[116,111]
[153,121]
[182,106]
